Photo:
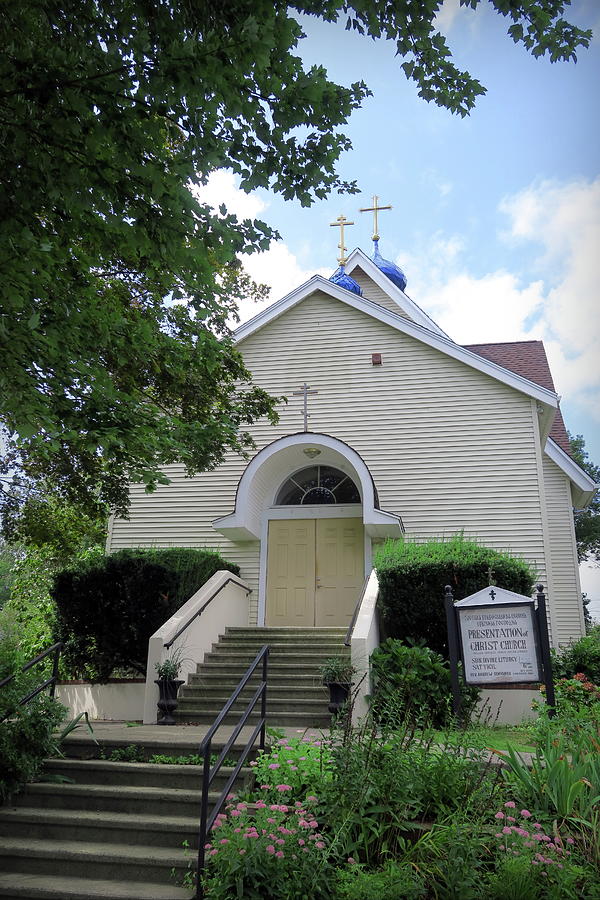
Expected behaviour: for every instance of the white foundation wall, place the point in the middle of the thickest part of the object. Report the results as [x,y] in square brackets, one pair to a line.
[449,447]
[119,700]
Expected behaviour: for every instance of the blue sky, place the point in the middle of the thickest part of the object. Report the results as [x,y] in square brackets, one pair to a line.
[496,217]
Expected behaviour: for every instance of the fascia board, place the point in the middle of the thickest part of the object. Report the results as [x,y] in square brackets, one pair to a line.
[400,323]
[581,481]
[359,258]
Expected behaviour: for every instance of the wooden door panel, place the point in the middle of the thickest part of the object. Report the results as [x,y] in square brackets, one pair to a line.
[339,569]
[291,573]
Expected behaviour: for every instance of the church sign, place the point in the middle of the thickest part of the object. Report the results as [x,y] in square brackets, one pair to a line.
[498,638]
[501,638]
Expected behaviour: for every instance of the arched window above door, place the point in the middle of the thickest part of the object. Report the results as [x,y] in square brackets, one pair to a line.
[318,485]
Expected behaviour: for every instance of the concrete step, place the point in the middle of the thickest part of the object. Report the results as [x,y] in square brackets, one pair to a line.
[101,861]
[296,719]
[326,646]
[285,631]
[282,692]
[116,799]
[102,772]
[26,886]
[299,658]
[97,827]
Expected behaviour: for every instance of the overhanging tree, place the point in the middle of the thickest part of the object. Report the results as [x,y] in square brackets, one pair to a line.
[587,521]
[110,114]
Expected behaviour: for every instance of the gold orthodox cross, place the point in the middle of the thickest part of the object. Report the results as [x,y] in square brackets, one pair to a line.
[375,209]
[304,392]
[341,223]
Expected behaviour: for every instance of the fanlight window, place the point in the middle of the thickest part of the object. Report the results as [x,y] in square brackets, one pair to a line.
[317,485]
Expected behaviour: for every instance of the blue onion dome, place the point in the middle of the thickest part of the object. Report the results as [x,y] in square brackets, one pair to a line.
[340,278]
[393,272]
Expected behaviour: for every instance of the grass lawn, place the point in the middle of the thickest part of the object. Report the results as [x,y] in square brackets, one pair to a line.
[493,738]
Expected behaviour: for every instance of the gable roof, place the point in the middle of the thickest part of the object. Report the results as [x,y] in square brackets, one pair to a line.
[412,309]
[527,358]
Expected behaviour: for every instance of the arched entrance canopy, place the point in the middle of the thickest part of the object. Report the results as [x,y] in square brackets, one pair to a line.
[267,471]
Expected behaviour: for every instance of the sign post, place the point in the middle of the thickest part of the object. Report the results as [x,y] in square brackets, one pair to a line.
[502,639]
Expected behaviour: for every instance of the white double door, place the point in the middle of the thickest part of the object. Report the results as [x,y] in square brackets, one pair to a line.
[315,571]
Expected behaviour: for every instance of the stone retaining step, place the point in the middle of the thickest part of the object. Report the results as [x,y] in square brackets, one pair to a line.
[133,774]
[97,827]
[25,886]
[103,861]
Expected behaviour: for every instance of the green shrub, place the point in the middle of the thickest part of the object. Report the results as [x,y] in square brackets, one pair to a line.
[414,682]
[301,765]
[26,734]
[412,578]
[581,656]
[107,611]
[394,882]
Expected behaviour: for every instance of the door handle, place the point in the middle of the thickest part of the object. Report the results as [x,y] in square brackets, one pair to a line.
[317,582]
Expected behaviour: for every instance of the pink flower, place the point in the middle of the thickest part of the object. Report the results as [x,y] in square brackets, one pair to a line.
[224,841]
[313,823]
[270,849]
[274,765]
[241,852]
[207,846]
[253,762]
[506,830]
[260,805]
[570,840]
[280,841]
[320,845]
[265,787]
[510,804]
[351,860]
[212,852]
[525,813]
[279,854]
[510,819]
[301,842]
[283,787]
[312,798]
[235,812]
[536,825]
[271,820]
[499,815]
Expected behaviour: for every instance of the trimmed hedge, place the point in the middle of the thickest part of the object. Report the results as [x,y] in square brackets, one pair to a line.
[412,578]
[107,611]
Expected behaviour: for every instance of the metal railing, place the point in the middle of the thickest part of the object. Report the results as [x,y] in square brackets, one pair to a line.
[207,819]
[49,682]
[348,640]
[209,600]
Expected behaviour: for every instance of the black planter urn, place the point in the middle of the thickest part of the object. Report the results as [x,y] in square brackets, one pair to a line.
[338,695]
[167,701]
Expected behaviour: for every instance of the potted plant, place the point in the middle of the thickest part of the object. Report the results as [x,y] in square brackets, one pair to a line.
[337,672]
[168,687]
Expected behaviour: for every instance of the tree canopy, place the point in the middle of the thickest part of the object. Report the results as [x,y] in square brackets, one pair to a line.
[587,521]
[116,282]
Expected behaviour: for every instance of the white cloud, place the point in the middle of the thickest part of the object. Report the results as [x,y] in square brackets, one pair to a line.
[280,269]
[277,267]
[560,222]
[222,187]
[444,20]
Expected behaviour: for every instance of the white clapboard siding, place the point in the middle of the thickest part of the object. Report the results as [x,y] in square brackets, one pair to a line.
[565,596]
[373,292]
[449,447]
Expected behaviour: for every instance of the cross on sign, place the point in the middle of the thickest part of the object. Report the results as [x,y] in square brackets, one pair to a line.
[304,392]
[493,594]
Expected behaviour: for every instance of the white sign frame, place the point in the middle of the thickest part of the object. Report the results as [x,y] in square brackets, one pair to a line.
[511,650]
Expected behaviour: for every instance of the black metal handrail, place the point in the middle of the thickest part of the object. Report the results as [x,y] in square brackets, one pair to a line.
[207,819]
[49,682]
[201,610]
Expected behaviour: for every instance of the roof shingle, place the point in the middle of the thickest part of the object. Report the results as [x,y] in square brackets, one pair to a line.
[528,359]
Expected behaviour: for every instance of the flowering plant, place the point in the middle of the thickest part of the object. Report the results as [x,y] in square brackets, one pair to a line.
[533,864]
[268,851]
[301,765]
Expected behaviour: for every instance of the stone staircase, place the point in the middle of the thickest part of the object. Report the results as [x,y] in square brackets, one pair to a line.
[295,694]
[114,830]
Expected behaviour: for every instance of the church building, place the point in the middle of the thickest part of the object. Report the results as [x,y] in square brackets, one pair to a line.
[390,428]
